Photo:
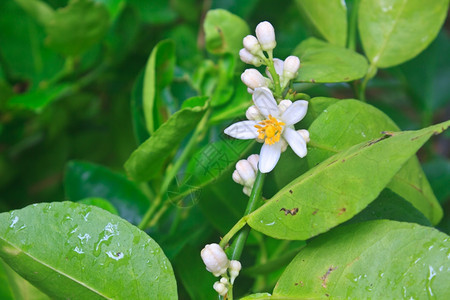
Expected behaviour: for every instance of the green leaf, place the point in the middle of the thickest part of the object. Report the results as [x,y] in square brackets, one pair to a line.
[339,187]
[316,106]
[225,88]
[257,296]
[370,260]
[147,160]
[85,180]
[137,111]
[158,74]
[224,32]
[39,10]
[114,6]
[390,206]
[13,286]
[88,253]
[328,21]
[322,62]
[351,122]
[77,27]
[393,32]
[38,99]
[154,12]
[101,203]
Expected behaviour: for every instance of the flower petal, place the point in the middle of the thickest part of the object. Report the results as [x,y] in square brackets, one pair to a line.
[269,156]
[296,141]
[243,130]
[265,102]
[295,112]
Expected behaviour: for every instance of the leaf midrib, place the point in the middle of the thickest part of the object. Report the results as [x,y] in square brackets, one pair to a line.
[54,269]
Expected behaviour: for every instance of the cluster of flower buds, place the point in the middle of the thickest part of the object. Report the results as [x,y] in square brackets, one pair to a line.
[217,262]
[253,54]
[245,173]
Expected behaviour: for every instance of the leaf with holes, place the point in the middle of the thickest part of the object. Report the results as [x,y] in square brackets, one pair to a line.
[88,253]
[339,187]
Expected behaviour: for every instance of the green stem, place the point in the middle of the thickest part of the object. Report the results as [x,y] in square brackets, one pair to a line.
[276,79]
[351,44]
[171,173]
[362,89]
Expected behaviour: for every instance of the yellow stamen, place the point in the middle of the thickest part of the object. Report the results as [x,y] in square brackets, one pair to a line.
[270,130]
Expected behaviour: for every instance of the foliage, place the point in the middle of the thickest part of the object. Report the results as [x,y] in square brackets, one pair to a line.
[115,170]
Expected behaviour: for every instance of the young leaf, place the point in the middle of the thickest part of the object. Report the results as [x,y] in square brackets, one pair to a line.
[38,99]
[322,62]
[351,122]
[101,203]
[39,10]
[114,6]
[339,187]
[75,28]
[328,21]
[158,74]
[393,32]
[224,32]
[137,111]
[87,252]
[147,160]
[84,180]
[375,259]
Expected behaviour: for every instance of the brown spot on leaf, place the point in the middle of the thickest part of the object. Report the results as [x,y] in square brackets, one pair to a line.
[324,278]
[342,210]
[290,191]
[299,283]
[313,80]
[346,78]
[332,162]
[315,212]
[292,212]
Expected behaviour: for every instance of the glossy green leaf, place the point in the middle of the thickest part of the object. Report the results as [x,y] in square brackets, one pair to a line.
[393,32]
[154,12]
[390,206]
[137,111]
[114,6]
[88,254]
[328,21]
[101,203]
[316,106]
[376,259]
[38,99]
[339,187]
[351,122]
[14,287]
[225,88]
[77,27]
[322,62]
[85,180]
[147,160]
[224,32]
[158,74]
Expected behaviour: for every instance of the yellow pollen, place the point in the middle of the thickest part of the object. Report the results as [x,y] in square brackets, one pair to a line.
[270,130]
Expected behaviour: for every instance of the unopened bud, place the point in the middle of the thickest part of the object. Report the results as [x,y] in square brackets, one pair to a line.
[253,160]
[284,104]
[266,35]
[254,114]
[215,259]
[247,190]
[249,58]
[246,172]
[234,268]
[253,79]
[305,134]
[220,288]
[290,67]
[252,45]
[237,178]
[223,280]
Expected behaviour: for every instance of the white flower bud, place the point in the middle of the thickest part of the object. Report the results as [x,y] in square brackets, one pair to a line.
[266,35]
[278,65]
[305,134]
[254,114]
[237,178]
[249,58]
[235,268]
[253,160]
[290,67]
[247,190]
[284,104]
[252,45]
[246,171]
[253,79]
[224,280]
[250,91]
[220,288]
[215,259]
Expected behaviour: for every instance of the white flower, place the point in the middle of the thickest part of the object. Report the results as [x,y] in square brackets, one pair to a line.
[245,173]
[266,35]
[278,126]
[253,79]
[287,69]
[215,259]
